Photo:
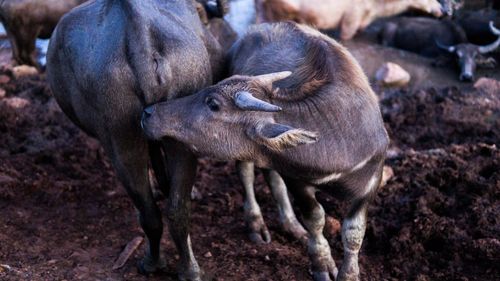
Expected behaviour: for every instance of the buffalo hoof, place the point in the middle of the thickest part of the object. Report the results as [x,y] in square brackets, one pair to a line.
[259,233]
[347,277]
[295,229]
[195,276]
[261,236]
[322,276]
[148,266]
[331,274]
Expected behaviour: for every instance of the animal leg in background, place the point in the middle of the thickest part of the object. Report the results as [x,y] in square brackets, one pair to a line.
[253,215]
[350,24]
[288,219]
[23,45]
[159,167]
[259,232]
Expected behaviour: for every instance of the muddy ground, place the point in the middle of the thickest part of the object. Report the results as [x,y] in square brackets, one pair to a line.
[64,215]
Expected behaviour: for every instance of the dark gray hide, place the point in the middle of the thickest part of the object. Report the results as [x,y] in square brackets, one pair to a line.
[329,133]
[475,25]
[26,20]
[432,38]
[109,59]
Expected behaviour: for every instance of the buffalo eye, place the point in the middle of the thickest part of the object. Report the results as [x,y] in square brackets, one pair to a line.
[213,104]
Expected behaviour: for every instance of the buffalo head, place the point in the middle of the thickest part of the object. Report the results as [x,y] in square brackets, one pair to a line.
[467,54]
[234,119]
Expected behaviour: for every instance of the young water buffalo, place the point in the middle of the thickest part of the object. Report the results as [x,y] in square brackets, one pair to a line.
[26,20]
[258,231]
[348,15]
[430,37]
[319,126]
[109,59]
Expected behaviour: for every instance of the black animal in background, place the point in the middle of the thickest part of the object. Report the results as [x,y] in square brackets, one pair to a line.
[432,38]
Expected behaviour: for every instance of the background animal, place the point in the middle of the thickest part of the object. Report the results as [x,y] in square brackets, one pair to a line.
[319,127]
[347,16]
[107,60]
[476,25]
[431,38]
[26,20]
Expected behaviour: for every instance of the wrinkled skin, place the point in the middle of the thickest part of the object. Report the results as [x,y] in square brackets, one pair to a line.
[26,20]
[434,38]
[348,16]
[323,128]
[106,61]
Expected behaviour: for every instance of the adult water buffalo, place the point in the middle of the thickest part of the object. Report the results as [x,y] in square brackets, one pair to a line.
[347,15]
[431,38]
[26,20]
[109,59]
[319,127]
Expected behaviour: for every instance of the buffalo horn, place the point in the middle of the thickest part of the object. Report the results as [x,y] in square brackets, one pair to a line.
[450,49]
[268,79]
[491,47]
[244,100]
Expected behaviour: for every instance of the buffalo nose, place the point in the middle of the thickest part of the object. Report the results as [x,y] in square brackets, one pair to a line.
[466,77]
[148,111]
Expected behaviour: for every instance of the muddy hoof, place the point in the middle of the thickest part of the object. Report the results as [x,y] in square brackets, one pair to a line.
[147,266]
[347,277]
[196,276]
[296,230]
[260,237]
[322,276]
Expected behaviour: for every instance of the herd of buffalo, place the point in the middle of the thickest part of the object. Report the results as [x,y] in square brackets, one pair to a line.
[162,82]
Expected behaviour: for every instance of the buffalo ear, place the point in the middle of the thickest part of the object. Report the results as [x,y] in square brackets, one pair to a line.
[278,136]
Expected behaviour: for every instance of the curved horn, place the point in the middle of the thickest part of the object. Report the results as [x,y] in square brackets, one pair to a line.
[450,49]
[268,79]
[493,29]
[244,100]
[491,47]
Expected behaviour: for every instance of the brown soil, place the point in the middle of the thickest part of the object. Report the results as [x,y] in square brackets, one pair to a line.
[64,215]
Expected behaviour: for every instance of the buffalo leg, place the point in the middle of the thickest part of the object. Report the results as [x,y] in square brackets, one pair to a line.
[23,45]
[288,219]
[159,168]
[253,216]
[353,231]
[354,225]
[132,169]
[181,165]
[323,265]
